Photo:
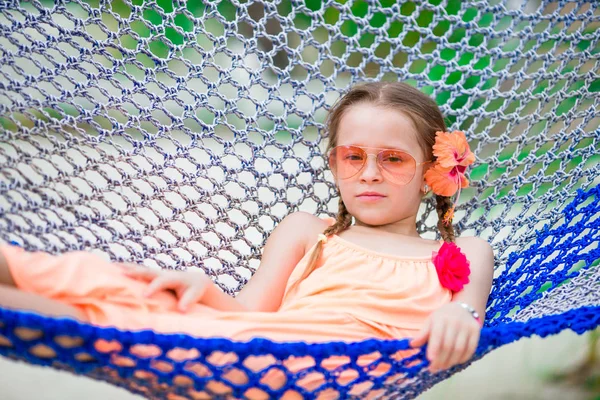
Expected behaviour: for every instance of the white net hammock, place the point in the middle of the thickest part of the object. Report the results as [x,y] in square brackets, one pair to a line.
[178,134]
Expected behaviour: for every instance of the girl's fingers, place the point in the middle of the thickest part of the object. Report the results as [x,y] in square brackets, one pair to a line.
[472,346]
[435,343]
[138,272]
[422,336]
[192,295]
[460,349]
[448,346]
[127,266]
[162,283]
[180,290]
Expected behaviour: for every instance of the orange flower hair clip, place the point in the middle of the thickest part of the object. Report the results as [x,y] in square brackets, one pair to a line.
[447,176]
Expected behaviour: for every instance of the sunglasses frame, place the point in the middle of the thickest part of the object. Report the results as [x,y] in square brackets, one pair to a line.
[378,160]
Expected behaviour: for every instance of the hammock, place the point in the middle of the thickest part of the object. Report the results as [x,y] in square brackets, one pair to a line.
[178,134]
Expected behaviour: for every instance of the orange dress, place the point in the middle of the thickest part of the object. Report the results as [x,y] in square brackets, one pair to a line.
[372,295]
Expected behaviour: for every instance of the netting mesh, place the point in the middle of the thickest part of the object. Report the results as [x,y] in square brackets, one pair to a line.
[178,134]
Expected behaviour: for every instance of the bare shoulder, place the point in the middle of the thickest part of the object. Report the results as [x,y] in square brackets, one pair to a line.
[472,241]
[306,224]
[306,221]
[477,250]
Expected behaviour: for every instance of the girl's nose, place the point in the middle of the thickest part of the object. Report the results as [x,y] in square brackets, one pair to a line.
[371,172]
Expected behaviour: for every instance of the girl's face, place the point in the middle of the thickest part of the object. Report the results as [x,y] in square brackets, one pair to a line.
[372,195]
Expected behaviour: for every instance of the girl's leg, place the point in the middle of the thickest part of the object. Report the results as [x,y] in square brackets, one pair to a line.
[11,297]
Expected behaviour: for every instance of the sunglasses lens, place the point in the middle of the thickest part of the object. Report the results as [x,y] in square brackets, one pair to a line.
[400,166]
[346,161]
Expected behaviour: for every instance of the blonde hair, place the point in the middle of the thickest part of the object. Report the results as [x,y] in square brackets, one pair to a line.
[425,115]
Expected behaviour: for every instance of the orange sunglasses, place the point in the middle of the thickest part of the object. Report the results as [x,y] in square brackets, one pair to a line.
[397,166]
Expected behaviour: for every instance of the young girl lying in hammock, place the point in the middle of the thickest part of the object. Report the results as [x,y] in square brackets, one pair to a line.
[319,280]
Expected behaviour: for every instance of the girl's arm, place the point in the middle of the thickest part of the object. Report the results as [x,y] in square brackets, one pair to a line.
[481,257]
[11,297]
[452,334]
[286,246]
[284,249]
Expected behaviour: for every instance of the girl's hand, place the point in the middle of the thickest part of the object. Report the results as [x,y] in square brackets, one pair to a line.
[188,286]
[453,336]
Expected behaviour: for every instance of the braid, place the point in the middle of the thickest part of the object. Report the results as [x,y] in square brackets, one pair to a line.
[443,204]
[342,222]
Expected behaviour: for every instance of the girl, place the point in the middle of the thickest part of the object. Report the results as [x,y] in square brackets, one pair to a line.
[365,274]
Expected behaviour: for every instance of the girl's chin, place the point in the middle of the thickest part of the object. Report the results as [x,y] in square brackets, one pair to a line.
[372,219]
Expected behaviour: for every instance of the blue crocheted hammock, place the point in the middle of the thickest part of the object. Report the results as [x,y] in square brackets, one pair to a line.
[178,134]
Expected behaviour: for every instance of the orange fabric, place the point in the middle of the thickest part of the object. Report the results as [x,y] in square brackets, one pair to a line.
[353,294]
[372,295]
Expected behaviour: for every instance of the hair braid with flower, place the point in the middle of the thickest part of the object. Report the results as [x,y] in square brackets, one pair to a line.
[447,176]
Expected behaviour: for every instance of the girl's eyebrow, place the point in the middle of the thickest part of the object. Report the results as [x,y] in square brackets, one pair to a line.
[400,148]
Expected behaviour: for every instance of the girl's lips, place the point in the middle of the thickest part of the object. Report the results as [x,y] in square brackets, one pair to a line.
[370,197]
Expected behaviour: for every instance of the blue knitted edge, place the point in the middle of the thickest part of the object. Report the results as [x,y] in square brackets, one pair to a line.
[579,320]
